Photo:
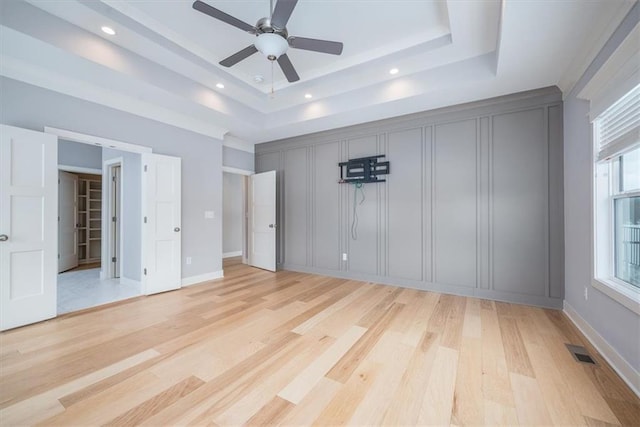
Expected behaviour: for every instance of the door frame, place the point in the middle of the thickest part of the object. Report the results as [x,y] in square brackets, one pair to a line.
[107,211]
[75,213]
[245,208]
[116,145]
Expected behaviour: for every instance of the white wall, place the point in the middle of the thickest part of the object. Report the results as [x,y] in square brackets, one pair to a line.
[616,324]
[79,155]
[232,213]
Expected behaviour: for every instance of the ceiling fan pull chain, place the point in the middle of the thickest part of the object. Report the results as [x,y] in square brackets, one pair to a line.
[271,79]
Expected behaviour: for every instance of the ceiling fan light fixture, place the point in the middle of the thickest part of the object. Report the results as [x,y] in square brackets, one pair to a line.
[271,45]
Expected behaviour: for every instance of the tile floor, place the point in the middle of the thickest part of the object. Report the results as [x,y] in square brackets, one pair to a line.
[83,289]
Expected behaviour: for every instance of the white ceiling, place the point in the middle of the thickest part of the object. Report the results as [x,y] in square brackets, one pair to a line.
[163,61]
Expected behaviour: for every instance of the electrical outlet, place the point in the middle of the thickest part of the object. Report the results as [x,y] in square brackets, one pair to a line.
[188,260]
[344,256]
[586,293]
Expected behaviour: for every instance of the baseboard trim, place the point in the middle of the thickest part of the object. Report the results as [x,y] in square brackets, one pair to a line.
[628,374]
[192,280]
[512,297]
[231,254]
[130,282]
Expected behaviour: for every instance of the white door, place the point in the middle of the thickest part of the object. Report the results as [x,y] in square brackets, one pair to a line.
[28,226]
[161,224]
[67,221]
[262,220]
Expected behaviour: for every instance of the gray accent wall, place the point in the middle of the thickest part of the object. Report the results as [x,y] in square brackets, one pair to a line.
[79,155]
[472,206]
[238,159]
[232,215]
[32,107]
[619,326]
[131,231]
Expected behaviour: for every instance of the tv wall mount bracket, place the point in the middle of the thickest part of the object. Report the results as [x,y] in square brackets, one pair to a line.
[363,170]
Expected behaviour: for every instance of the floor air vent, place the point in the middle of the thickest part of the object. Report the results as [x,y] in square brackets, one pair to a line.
[580,354]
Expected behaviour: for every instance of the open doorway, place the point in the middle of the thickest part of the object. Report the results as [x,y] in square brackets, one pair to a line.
[90,218]
[234,219]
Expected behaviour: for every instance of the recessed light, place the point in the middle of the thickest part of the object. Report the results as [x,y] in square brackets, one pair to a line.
[108,30]
[308,96]
[393,71]
[258,78]
[220,86]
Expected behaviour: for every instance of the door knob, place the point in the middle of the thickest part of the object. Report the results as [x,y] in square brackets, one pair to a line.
[3,237]
[177,229]
[273,226]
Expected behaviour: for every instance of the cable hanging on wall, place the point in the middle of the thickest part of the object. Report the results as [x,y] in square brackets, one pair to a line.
[359,172]
[354,223]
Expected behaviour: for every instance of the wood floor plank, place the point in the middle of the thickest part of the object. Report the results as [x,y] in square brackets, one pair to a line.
[52,402]
[152,406]
[346,401]
[392,356]
[496,384]
[271,413]
[437,403]
[514,349]
[404,408]
[530,404]
[306,380]
[466,409]
[291,348]
[282,372]
[309,408]
[350,361]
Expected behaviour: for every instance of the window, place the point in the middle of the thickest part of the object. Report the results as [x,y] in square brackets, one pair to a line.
[617,200]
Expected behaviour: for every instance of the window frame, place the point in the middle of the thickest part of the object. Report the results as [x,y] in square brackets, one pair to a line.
[603,249]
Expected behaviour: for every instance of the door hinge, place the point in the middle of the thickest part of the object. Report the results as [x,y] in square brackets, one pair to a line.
[145,168]
[113,178]
[145,219]
[145,271]
[114,219]
[113,259]
[58,256]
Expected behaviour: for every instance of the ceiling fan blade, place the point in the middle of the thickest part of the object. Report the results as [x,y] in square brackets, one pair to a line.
[287,68]
[282,13]
[239,56]
[323,46]
[224,17]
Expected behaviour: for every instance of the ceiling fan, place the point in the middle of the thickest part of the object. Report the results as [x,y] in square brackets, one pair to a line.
[272,37]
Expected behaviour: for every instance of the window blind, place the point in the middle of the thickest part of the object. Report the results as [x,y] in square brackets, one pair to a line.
[618,128]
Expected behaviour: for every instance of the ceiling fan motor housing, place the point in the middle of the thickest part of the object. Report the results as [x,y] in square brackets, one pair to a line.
[271,41]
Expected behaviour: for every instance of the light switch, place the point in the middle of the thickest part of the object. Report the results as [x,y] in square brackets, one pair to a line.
[209,214]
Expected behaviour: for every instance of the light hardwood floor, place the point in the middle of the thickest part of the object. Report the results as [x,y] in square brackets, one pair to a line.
[297,349]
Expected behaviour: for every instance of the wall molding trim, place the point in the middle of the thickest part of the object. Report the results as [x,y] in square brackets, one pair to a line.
[628,374]
[79,169]
[231,254]
[19,70]
[462,178]
[238,144]
[490,294]
[499,105]
[237,171]
[194,280]
[83,138]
